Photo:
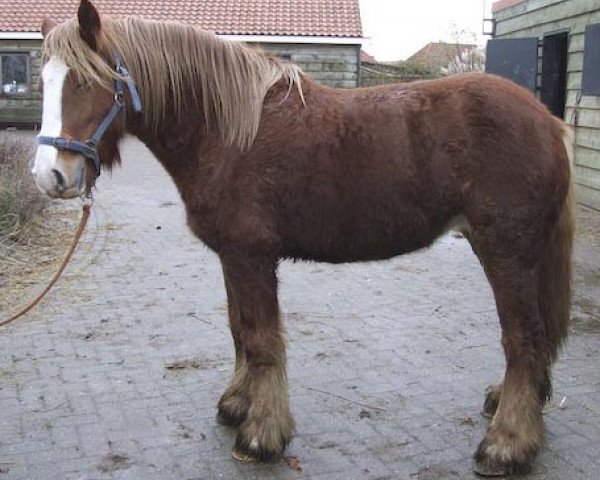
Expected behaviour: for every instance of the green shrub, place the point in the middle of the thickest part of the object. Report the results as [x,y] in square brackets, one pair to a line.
[20,200]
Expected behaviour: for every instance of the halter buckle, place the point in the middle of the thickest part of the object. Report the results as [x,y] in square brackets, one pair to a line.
[119,99]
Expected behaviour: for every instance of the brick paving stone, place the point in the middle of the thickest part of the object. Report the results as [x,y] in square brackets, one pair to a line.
[387,361]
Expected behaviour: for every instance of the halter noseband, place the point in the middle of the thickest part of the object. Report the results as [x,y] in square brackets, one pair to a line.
[88,148]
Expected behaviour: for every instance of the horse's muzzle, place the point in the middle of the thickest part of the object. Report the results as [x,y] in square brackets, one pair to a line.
[60,181]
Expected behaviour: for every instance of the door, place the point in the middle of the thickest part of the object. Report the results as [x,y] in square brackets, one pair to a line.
[554,72]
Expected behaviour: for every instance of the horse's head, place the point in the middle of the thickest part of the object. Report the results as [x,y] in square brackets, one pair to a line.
[69,154]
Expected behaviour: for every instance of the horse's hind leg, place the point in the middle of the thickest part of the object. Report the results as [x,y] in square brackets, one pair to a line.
[492,392]
[516,431]
[531,278]
[259,387]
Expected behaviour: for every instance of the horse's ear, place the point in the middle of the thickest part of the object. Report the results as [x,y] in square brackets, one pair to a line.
[89,23]
[47,25]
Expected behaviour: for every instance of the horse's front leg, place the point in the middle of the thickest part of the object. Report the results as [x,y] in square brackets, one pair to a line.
[234,403]
[257,399]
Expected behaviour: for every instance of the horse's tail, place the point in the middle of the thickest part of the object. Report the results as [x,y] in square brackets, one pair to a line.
[554,274]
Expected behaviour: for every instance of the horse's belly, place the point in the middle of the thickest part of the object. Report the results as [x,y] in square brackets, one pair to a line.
[364,241]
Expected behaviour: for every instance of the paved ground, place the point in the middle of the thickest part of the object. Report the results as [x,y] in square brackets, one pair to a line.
[387,362]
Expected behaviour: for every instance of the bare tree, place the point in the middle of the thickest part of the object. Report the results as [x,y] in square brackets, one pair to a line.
[469,57]
[467,60]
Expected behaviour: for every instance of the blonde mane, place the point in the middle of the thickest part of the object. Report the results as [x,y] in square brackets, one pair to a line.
[173,65]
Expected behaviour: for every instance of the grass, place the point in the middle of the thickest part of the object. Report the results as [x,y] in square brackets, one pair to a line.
[35,232]
[20,200]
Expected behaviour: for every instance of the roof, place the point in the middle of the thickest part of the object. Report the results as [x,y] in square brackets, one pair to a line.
[366,57]
[436,55]
[499,5]
[327,18]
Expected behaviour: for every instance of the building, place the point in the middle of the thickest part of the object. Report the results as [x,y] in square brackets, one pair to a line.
[436,57]
[553,48]
[323,37]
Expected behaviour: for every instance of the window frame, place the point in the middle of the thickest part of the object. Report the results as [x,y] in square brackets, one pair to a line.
[29,91]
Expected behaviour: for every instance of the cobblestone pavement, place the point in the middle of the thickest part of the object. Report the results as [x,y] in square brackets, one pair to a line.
[117,374]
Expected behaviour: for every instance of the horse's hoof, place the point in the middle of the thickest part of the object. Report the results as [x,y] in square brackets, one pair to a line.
[225,417]
[493,468]
[488,465]
[228,421]
[232,411]
[487,468]
[492,399]
[243,457]
[251,452]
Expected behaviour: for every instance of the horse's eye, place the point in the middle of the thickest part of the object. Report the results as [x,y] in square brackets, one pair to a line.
[83,87]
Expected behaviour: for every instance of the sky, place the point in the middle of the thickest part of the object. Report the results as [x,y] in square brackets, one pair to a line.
[395,29]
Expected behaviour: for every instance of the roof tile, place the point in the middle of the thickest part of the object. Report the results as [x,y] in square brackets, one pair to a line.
[329,18]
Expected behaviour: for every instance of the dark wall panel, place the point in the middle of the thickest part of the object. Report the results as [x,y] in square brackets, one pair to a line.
[591,61]
[515,59]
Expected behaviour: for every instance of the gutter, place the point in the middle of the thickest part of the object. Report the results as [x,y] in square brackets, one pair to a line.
[21,36]
[299,39]
[296,39]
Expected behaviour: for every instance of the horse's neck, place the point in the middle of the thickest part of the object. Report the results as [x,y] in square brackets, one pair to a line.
[179,149]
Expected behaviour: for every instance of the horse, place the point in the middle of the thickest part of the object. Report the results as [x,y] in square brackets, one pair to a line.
[271,165]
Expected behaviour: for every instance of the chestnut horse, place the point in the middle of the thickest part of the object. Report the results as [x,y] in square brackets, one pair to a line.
[270,165]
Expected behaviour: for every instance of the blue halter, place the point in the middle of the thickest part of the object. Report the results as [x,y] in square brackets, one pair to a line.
[88,148]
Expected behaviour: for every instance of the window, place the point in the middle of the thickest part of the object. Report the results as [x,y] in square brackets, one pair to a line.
[15,74]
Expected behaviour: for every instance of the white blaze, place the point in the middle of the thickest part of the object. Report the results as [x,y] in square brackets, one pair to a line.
[54,74]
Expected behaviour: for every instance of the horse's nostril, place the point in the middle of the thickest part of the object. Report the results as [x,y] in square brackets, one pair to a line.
[61,184]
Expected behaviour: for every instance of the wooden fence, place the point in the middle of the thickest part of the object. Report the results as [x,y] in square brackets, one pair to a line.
[372,74]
